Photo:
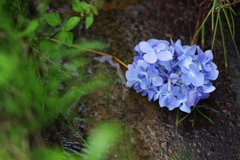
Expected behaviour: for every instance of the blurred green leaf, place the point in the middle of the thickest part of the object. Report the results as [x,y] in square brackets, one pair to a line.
[6,67]
[92,45]
[79,6]
[94,9]
[66,37]
[52,19]
[84,5]
[89,21]
[32,26]
[45,46]
[71,23]
[101,141]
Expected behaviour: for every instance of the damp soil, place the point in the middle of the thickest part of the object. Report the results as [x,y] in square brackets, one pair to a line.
[149,131]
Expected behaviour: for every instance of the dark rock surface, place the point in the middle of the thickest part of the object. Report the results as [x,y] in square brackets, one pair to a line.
[149,131]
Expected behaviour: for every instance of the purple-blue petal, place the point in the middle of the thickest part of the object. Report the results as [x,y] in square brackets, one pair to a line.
[137,48]
[185,79]
[145,47]
[164,56]
[160,46]
[153,42]
[185,108]
[157,81]
[198,79]
[150,57]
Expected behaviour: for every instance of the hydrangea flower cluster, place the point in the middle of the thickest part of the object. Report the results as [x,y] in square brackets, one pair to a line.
[175,75]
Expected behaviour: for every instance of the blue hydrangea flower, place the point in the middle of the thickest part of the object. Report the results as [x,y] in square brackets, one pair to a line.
[153,50]
[177,76]
[183,103]
[168,97]
[192,75]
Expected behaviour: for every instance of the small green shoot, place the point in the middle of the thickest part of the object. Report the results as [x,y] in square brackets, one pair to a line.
[194,110]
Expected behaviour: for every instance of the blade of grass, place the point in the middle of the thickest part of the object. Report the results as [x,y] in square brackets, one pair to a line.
[195,35]
[202,36]
[215,29]
[228,22]
[223,44]
[185,116]
[71,127]
[177,115]
[59,138]
[233,24]
[194,116]
[204,116]
[230,28]
[75,132]
[47,58]
[232,11]
[213,19]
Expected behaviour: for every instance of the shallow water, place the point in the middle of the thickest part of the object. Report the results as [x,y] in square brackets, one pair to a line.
[149,131]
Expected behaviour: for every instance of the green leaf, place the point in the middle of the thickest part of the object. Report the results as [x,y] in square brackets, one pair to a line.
[66,37]
[79,6]
[89,21]
[76,5]
[45,46]
[7,67]
[101,140]
[52,19]
[94,9]
[84,5]
[71,23]
[32,26]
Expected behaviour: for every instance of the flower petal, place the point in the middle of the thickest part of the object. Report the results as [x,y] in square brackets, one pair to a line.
[185,79]
[164,55]
[185,108]
[153,42]
[157,81]
[163,101]
[142,63]
[160,46]
[198,79]
[150,95]
[129,76]
[145,47]
[137,48]
[150,57]
[208,89]
[130,83]
[144,83]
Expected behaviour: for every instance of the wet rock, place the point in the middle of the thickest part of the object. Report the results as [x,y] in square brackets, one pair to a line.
[149,131]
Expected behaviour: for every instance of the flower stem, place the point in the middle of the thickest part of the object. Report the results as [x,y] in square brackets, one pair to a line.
[93,51]
[169,84]
[177,115]
[194,115]
[205,116]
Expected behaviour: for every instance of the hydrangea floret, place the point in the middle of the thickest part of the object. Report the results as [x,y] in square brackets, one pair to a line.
[177,76]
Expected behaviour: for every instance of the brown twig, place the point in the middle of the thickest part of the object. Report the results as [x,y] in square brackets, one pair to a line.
[227,5]
[92,51]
